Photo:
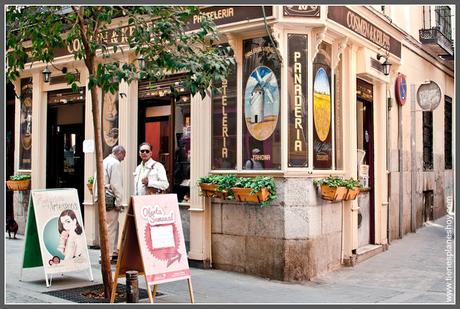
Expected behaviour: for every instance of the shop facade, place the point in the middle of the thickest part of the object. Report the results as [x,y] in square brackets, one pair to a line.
[308,98]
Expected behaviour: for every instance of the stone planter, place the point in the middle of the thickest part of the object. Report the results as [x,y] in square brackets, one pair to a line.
[210,190]
[334,194]
[245,195]
[352,194]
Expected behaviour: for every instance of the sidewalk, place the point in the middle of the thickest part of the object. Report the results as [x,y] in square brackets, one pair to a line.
[413,270]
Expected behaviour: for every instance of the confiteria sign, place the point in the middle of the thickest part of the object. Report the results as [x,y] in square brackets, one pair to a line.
[361,26]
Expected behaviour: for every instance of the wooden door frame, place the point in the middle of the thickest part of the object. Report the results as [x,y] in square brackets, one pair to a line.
[143,119]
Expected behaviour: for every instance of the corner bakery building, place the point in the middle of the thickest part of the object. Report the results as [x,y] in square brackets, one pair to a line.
[317,105]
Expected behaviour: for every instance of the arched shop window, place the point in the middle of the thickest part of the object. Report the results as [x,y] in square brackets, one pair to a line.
[261,143]
[322,109]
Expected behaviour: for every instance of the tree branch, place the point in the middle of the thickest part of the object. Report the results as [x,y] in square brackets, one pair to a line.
[84,37]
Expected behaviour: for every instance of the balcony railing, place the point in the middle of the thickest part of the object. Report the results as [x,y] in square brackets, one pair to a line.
[437,41]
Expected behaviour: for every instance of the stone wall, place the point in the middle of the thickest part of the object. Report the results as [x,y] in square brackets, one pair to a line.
[296,238]
[21,204]
[185,220]
[438,180]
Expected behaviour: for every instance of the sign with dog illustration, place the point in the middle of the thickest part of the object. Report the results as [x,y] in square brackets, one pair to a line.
[55,237]
[153,243]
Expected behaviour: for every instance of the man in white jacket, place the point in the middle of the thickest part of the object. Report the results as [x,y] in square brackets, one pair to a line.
[149,176]
[113,180]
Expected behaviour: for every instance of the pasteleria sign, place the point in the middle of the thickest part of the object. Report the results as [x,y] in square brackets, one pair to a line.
[55,237]
[153,243]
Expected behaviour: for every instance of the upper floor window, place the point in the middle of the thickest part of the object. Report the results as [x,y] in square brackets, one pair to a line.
[428,140]
[443,20]
[448,132]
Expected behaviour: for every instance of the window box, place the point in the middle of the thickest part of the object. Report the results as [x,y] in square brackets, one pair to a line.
[18,182]
[211,190]
[335,194]
[246,195]
[352,194]
[338,189]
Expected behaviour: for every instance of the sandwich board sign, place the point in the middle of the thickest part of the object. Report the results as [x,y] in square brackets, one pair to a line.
[152,243]
[55,237]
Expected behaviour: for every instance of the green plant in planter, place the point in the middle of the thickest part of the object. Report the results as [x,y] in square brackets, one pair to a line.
[264,182]
[352,183]
[91,180]
[18,177]
[257,184]
[331,181]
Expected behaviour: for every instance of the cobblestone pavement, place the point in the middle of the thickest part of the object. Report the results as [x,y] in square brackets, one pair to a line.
[413,270]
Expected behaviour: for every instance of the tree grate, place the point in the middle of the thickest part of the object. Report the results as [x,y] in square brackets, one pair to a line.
[95,294]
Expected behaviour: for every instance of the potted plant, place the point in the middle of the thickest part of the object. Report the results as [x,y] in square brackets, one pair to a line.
[90,184]
[333,188]
[261,189]
[353,189]
[19,182]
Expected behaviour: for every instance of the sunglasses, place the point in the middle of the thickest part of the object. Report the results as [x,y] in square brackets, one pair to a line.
[144,151]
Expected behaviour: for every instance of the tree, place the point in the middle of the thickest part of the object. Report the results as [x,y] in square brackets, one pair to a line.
[156,34]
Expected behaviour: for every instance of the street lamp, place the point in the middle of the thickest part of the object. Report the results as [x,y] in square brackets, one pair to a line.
[46,74]
[385,65]
[141,61]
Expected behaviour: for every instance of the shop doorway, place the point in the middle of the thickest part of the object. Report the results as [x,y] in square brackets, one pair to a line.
[365,159]
[165,123]
[65,134]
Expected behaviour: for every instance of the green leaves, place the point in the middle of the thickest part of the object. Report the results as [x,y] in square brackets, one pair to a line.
[158,33]
[20,177]
[226,182]
[335,181]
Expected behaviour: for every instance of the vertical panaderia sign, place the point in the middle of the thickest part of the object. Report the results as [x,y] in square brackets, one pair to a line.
[322,108]
[152,243]
[25,149]
[109,121]
[261,105]
[55,237]
[224,124]
[297,91]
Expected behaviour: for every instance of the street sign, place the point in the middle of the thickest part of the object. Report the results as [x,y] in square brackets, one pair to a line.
[55,237]
[152,243]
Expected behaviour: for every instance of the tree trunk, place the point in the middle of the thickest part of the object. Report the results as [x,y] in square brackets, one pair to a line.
[104,241]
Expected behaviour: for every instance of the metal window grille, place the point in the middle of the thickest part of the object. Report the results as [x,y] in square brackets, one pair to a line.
[448,133]
[428,140]
[443,20]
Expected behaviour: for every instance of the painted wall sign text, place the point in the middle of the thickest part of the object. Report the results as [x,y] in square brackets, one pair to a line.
[361,26]
[224,120]
[297,67]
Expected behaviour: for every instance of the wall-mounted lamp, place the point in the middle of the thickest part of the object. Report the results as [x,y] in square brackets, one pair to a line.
[46,74]
[141,61]
[385,65]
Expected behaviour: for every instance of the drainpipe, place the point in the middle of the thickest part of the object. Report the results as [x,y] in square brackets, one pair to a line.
[413,217]
[388,119]
[401,169]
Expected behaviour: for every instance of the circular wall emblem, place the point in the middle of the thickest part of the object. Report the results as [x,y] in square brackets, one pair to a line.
[429,96]
[261,103]
[401,89]
[322,104]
